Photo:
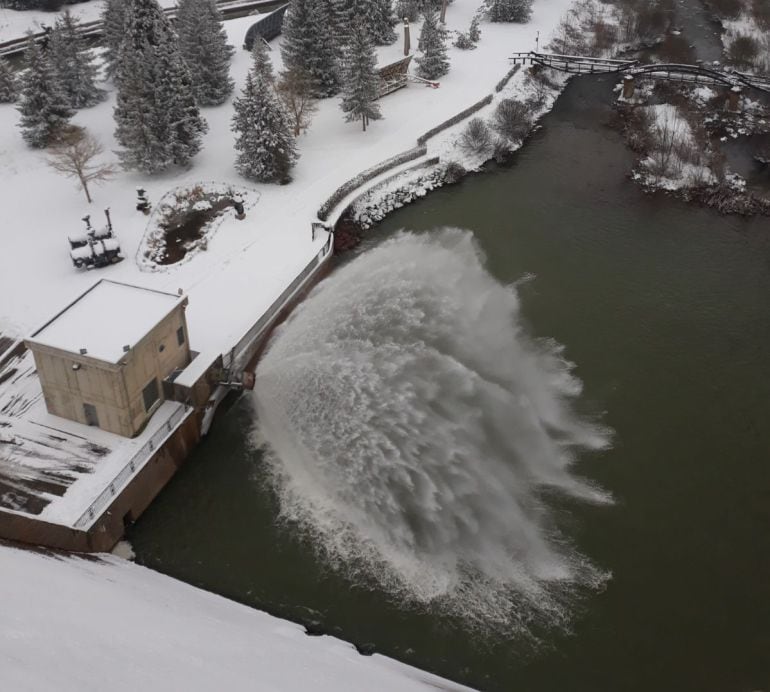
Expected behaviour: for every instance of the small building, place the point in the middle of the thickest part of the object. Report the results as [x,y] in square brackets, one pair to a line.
[103,359]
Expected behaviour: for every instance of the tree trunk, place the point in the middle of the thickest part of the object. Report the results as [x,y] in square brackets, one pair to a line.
[84,183]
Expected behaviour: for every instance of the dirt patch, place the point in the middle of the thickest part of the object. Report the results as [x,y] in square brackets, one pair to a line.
[185,220]
[184,227]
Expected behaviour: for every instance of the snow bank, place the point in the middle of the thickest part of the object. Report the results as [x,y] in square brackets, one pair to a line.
[73,624]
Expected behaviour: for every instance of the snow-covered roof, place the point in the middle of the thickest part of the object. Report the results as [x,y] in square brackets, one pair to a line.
[104,319]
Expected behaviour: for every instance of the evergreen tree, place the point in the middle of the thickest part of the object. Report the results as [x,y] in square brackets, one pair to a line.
[382,22]
[376,14]
[8,87]
[113,23]
[158,121]
[203,43]
[509,10]
[408,9]
[264,141]
[433,63]
[474,32]
[360,82]
[75,66]
[309,45]
[261,59]
[43,105]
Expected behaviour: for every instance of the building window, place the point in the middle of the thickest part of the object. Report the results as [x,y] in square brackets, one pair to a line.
[89,410]
[180,335]
[150,394]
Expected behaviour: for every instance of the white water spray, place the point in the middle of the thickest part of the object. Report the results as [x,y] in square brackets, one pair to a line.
[412,427]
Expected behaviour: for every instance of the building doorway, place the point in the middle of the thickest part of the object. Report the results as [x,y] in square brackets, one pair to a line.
[90,412]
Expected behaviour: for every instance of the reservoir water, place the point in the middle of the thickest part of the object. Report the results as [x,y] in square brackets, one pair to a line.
[663,310]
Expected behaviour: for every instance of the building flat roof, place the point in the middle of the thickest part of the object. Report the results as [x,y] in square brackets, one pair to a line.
[104,319]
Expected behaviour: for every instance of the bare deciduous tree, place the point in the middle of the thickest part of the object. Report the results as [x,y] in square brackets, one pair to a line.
[296,91]
[74,155]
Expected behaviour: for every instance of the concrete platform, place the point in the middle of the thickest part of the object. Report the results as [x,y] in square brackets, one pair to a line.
[59,471]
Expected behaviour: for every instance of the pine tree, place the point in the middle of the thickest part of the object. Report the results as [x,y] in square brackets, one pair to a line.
[382,22]
[474,32]
[264,142]
[433,63]
[261,59]
[43,105]
[113,23]
[509,10]
[8,86]
[158,121]
[360,82]
[308,45]
[75,66]
[203,43]
[376,14]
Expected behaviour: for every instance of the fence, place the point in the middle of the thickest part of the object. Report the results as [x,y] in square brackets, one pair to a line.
[134,464]
[266,27]
[229,8]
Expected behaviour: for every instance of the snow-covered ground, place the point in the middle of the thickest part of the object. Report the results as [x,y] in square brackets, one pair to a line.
[247,264]
[71,625]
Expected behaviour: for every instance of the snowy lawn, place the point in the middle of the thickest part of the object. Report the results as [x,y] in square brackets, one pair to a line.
[247,263]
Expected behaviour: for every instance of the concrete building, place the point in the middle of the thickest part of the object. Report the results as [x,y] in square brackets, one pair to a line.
[103,359]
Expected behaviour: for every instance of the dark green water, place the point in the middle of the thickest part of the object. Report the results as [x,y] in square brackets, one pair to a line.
[664,309]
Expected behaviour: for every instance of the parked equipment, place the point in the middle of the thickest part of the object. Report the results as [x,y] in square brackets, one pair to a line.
[97,247]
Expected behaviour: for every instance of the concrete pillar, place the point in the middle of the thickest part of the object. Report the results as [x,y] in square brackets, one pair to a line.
[443,11]
[628,87]
[407,44]
[734,99]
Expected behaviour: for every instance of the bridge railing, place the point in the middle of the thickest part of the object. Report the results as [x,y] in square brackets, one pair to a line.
[697,74]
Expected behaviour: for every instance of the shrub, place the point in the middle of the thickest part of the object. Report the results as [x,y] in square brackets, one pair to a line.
[453,172]
[509,10]
[476,138]
[512,119]
[744,50]
[463,42]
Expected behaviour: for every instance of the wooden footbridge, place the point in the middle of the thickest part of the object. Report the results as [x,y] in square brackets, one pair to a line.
[671,72]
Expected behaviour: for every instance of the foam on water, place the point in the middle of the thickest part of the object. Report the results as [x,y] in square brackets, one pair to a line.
[416,433]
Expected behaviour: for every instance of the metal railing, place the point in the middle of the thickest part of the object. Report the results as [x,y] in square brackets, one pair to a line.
[229,9]
[135,463]
[236,354]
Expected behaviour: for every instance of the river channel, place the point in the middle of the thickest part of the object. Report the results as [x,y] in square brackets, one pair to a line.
[663,307]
